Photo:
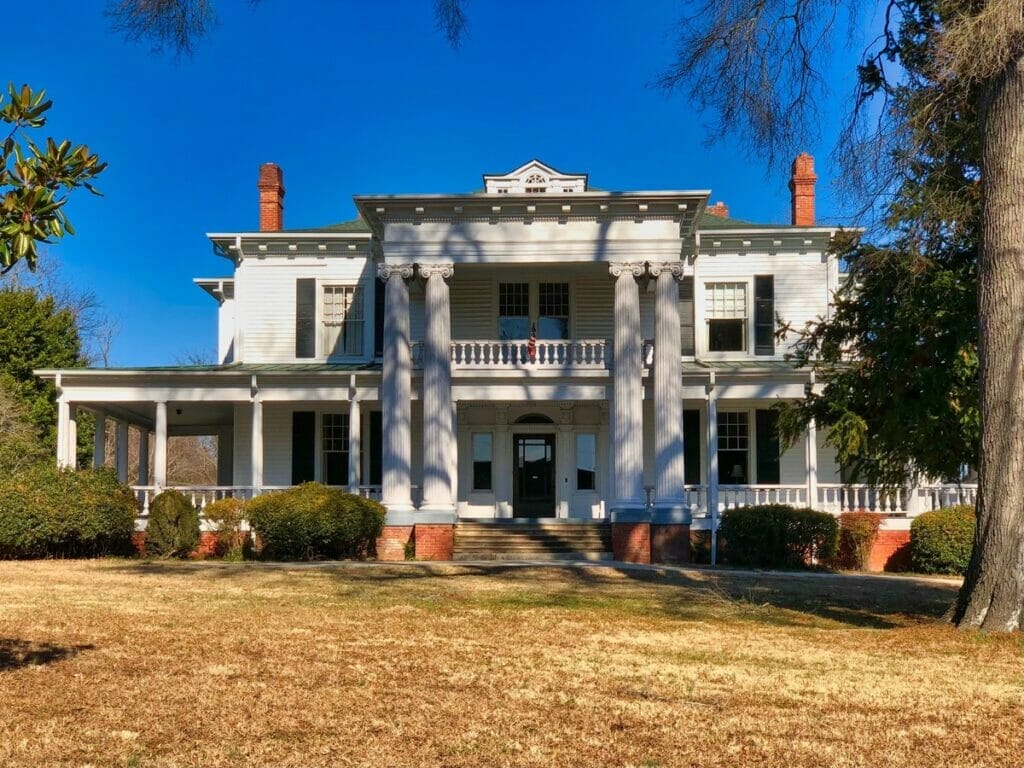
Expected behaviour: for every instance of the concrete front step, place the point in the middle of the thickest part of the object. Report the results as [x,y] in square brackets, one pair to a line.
[532,540]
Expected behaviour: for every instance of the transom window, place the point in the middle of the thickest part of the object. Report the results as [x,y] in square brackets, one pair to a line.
[733,447]
[343,320]
[725,307]
[334,446]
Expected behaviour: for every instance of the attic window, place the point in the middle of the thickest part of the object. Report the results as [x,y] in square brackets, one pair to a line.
[535,183]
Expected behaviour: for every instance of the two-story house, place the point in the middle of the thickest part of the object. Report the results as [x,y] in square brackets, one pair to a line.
[539,350]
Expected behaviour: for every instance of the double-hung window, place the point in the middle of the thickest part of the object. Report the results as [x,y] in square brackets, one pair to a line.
[725,307]
[334,442]
[733,448]
[553,314]
[513,311]
[527,307]
[586,461]
[483,456]
[343,320]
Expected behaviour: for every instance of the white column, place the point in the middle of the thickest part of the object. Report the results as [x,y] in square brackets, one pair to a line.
[99,441]
[121,451]
[72,436]
[256,457]
[712,454]
[355,441]
[501,460]
[627,414]
[437,391]
[396,390]
[143,456]
[670,474]
[63,428]
[160,447]
[812,465]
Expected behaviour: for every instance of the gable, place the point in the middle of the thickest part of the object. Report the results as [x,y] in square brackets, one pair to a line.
[535,177]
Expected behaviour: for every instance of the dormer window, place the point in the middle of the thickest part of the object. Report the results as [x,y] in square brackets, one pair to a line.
[536,184]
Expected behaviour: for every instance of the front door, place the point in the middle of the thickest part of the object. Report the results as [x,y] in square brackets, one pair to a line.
[533,480]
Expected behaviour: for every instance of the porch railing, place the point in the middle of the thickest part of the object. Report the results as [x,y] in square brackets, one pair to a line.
[546,353]
[201,495]
[837,498]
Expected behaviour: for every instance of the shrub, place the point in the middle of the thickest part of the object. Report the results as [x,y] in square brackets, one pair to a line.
[46,512]
[778,536]
[941,540]
[173,526]
[226,517]
[858,532]
[312,521]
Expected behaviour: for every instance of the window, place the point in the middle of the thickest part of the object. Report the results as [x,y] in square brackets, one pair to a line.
[764,315]
[482,459]
[725,306]
[535,183]
[733,447]
[513,311]
[553,317]
[334,443]
[686,315]
[343,320]
[768,447]
[586,462]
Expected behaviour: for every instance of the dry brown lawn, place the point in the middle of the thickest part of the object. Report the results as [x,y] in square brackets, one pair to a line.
[149,664]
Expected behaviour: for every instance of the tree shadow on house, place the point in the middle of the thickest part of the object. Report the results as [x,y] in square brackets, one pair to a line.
[15,654]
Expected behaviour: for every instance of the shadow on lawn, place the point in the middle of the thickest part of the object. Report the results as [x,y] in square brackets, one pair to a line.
[781,599]
[15,654]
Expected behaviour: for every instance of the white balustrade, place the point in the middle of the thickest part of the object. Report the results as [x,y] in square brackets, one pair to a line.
[837,498]
[947,495]
[547,353]
[735,496]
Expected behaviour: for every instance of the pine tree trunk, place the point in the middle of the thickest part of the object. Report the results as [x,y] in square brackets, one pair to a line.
[992,597]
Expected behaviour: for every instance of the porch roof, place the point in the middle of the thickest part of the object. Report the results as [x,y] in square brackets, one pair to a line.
[231,369]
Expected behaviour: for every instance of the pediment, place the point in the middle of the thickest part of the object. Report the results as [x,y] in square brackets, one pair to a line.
[535,177]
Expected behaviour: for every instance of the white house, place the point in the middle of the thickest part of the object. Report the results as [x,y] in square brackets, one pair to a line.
[537,350]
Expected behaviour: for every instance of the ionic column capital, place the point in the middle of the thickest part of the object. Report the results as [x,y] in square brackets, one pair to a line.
[444,271]
[385,271]
[674,268]
[619,268]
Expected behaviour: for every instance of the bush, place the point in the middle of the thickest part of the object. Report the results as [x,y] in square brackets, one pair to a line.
[226,517]
[941,540]
[312,522]
[46,512]
[858,532]
[173,526]
[778,536]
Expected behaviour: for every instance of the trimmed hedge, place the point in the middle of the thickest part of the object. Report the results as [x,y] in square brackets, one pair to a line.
[314,522]
[858,532]
[46,512]
[226,516]
[778,536]
[941,540]
[173,526]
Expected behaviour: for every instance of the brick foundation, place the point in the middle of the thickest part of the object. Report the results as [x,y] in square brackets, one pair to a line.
[631,542]
[139,542]
[890,552]
[392,542]
[434,541]
[670,543]
[209,545]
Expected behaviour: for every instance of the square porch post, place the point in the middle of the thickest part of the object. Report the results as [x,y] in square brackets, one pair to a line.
[812,464]
[160,447]
[712,453]
[355,434]
[121,448]
[99,441]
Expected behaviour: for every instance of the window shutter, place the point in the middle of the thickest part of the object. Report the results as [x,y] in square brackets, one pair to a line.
[768,447]
[764,315]
[303,446]
[376,447]
[305,317]
[686,314]
[693,441]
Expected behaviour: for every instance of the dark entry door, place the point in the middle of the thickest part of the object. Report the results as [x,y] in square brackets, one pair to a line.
[533,480]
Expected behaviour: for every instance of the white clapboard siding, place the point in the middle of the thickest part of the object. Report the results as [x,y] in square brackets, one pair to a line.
[801,282]
[473,311]
[242,453]
[265,299]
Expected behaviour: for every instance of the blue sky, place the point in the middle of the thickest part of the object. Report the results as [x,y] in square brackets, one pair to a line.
[355,97]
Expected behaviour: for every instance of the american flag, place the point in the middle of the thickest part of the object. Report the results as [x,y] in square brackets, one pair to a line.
[531,345]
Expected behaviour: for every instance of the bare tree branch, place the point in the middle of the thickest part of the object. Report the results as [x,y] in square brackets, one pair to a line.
[167,24]
[451,20]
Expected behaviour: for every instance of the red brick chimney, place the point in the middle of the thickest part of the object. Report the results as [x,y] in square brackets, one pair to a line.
[719,209]
[271,186]
[801,185]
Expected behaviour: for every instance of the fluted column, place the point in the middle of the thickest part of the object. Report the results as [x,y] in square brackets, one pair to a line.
[627,413]
[396,390]
[670,475]
[438,437]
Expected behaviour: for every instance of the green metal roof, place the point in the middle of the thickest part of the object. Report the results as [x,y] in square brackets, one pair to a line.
[240,368]
[353,225]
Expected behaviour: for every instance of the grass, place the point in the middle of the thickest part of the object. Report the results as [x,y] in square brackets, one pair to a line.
[149,664]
